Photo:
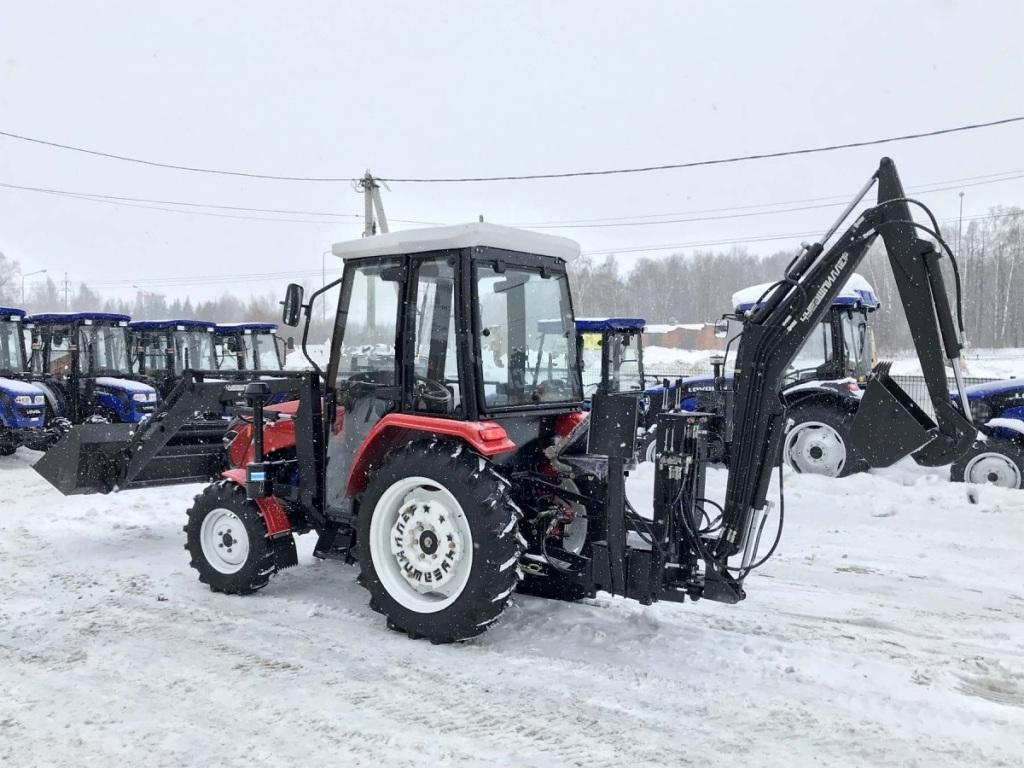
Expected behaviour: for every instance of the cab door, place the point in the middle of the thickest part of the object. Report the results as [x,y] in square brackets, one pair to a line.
[364,365]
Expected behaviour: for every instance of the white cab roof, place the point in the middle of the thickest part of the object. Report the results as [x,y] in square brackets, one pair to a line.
[459,236]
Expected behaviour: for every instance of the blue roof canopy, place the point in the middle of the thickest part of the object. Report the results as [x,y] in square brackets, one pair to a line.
[594,324]
[11,312]
[599,324]
[161,325]
[70,317]
[234,327]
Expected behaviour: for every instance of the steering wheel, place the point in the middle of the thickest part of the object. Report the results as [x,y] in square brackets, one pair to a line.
[433,392]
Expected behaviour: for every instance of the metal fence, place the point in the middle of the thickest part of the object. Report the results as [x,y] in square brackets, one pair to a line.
[913,385]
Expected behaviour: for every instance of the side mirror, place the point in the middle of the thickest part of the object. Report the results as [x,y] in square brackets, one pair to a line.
[292,305]
[721,329]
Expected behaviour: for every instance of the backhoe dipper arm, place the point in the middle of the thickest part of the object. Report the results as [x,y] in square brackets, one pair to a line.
[781,322]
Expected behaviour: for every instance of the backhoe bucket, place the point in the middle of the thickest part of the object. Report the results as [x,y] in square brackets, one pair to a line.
[88,459]
[889,424]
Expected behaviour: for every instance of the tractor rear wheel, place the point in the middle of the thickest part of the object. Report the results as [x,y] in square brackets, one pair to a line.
[993,462]
[819,442]
[438,541]
[227,539]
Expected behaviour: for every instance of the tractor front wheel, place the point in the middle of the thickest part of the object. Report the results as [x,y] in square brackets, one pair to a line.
[438,541]
[991,462]
[819,442]
[227,539]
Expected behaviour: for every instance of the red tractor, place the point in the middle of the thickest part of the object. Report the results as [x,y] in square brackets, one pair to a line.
[445,447]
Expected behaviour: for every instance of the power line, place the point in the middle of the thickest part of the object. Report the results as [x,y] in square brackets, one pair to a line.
[718,161]
[520,177]
[838,199]
[123,200]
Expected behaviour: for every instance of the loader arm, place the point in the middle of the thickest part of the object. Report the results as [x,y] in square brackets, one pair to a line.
[781,322]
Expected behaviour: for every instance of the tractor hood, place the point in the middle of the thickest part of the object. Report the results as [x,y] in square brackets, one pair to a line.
[16,387]
[125,385]
[991,389]
[27,414]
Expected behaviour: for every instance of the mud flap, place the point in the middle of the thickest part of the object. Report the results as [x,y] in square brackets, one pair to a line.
[889,424]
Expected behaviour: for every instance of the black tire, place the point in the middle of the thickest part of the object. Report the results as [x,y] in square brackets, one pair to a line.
[492,519]
[840,421]
[260,563]
[1012,474]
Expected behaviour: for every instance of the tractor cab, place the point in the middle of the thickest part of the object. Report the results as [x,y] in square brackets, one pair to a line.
[84,365]
[248,347]
[164,349]
[440,331]
[611,354]
[22,403]
[842,345]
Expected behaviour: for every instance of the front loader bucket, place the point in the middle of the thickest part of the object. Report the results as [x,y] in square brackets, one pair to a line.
[99,458]
[889,424]
[88,459]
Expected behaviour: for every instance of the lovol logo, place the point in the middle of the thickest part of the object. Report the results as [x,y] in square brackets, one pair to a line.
[833,275]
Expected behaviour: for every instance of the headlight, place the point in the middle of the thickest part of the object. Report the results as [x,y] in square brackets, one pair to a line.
[980,411]
[141,397]
[39,400]
[23,399]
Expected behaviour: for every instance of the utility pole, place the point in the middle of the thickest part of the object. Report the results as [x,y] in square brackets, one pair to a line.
[28,274]
[959,247]
[372,204]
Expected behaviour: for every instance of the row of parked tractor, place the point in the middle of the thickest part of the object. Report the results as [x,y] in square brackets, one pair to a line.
[823,391]
[58,369]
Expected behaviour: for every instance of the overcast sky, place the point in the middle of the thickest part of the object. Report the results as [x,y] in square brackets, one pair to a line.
[459,88]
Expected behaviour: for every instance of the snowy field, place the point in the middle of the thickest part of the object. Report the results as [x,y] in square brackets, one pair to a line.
[889,630]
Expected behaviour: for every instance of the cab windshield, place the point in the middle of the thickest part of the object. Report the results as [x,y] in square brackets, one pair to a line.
[193,349]
[103,349]
[858,343]
[261,347]
[624,364]
[12,350]
[814,356]
[527,337]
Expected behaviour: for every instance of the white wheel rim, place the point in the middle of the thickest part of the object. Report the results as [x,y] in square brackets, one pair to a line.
[992,469]
[815,448]
[421,544]
[224,540]
[652,450]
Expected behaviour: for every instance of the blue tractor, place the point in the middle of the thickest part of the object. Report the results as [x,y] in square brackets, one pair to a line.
[162,350]
[83,365]
[823,385]
[248,347]
[997,457]
[22,403]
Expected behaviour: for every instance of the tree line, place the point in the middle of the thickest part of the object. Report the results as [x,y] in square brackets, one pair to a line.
[680,288]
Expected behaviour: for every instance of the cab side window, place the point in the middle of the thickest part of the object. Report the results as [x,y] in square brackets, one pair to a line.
[368,346]
[435,386]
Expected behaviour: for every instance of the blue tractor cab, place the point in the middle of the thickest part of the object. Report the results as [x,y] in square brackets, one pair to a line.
[83,364]
[162,350]
[997,457]
[22,403]
[611,350]
[248,347]
[823,384]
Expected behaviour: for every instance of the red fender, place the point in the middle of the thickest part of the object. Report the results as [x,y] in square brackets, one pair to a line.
[487,438]
[274,516]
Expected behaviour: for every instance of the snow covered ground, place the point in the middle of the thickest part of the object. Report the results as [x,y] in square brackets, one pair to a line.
[889,630]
